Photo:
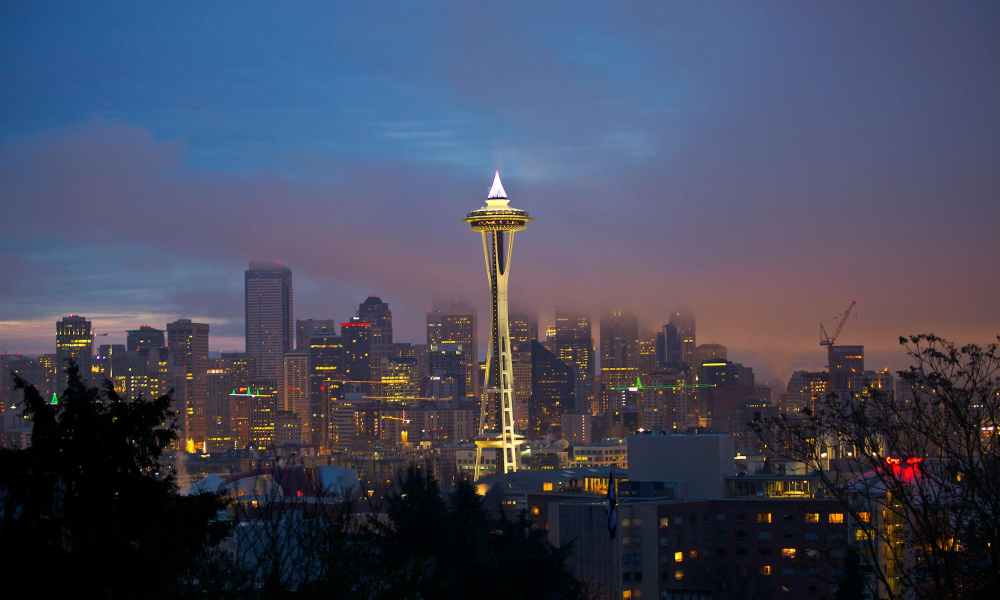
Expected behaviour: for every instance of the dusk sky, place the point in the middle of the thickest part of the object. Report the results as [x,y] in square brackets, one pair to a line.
[762,163]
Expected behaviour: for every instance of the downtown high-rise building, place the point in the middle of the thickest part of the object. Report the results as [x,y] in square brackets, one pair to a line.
[574,345]
[845,363]
[145,338]
[552,389]
[455,327]
[187,352]
[295,395]
[74,342]
[305,329]
[619,339]
[619,357]
[357,370]
[268,311]
[682,324]
[376,312]
[326,382]
[523,330]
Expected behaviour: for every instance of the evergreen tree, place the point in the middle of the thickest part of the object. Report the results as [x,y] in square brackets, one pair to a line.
[89,507]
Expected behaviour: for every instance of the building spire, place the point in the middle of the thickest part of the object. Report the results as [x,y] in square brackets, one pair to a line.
[497,192]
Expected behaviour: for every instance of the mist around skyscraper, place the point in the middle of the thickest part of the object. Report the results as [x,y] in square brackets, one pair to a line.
[614,301]
[671,412]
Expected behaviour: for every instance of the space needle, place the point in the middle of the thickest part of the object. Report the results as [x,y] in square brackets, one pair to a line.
[498,221]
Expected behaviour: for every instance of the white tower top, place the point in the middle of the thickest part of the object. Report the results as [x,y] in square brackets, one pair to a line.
[497,192]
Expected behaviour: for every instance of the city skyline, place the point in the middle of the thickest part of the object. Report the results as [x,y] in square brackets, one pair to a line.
[717,150]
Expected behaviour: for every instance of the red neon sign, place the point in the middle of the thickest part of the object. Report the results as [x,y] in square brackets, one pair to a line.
[904,469]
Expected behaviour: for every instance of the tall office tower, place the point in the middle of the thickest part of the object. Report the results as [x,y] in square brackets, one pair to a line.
[805,389]
[447,372]
[845,362]
[357,350]
[647,355]
[619,355]
[498,223]
[619,339]
[683,321]
[552,386]
[295,387]
[187,350]
[721,402]
[397,373]
[456,325]
[145,338]
[262,400]
[305,329]
[673,355]
[550,339]
[228,417]
[74,341]
[108,362]
[376,312]
[521,361]
[49,364]
[710,352]
[661,349]
[268,302]
[575,347]
[326,376]
[523,330]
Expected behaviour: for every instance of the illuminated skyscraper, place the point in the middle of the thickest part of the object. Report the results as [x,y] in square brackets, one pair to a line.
[523,330]
[682,320]
[145,338]
[673,356]
[357,349]
[575,347]
[305,329]
[845,362]
[326,375]
[455,327]
[619,355]
[268,304]
[74,341]
[376,312]
[187,348]
[498,222]
[295,388]
[552,385]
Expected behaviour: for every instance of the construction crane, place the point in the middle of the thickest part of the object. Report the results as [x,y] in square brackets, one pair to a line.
[829,340]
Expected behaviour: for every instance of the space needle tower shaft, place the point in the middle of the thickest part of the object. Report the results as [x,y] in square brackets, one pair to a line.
[498,222]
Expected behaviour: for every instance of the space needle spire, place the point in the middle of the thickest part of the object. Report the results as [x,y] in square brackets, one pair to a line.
[497,222]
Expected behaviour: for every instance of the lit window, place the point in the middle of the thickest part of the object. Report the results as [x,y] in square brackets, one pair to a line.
[835,518]
[766,569]
[678,557]
[535,511]
[812,517]
[861,535]
[678,575]
[626,594]
[865,517]
[547,486]
[693,553]
[788,552]
[664,522]
[764,517]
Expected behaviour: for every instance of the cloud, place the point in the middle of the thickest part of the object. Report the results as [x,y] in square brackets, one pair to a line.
[763,165]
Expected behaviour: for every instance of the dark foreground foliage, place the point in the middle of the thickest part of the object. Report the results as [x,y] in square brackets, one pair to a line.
[87,509]
[90,510]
